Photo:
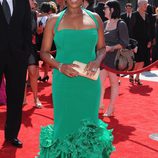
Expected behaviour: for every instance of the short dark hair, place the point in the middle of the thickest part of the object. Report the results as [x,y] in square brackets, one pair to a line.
[45,7]
[129,5]
[116,6]
[90,1]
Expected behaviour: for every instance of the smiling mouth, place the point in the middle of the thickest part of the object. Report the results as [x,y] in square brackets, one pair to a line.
[74,1]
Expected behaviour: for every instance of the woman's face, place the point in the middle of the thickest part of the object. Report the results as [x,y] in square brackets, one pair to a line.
[74,3]
[107,12]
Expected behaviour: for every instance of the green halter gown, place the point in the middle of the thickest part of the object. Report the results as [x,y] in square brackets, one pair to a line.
[77,132]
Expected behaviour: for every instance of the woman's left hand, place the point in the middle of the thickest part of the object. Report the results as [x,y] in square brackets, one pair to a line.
[109,48]
[92,67]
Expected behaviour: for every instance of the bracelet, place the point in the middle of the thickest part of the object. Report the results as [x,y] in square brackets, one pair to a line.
[59,67]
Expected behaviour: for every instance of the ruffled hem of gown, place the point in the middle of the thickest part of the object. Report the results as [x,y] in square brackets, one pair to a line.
[91,141]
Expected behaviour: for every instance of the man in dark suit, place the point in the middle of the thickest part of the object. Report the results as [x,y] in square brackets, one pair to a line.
[15,46]
[128,17]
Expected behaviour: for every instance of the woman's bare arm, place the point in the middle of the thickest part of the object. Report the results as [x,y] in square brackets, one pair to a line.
[48,37]
[47,43]
[101,47]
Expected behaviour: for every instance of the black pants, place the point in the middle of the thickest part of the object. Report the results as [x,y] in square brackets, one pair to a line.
[147,58]
[155,53]
[14,68]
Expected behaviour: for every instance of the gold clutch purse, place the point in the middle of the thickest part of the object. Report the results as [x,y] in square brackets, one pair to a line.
[83,73]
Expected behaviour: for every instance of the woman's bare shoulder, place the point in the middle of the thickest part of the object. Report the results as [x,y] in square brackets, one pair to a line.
[53,18]
[97,17]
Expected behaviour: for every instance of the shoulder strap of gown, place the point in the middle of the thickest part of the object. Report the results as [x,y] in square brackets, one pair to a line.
[63,12]
[58,20]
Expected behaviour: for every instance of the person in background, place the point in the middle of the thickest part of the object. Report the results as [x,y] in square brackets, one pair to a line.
[61,5]
[3,92]
[42,18]
[47,9]
[128,18]
[155,46]
[33,69]
[89,5]
[142,33]
[99,9]
[151,14]
[15,48]
[116,37]
[53,7]
[152,19]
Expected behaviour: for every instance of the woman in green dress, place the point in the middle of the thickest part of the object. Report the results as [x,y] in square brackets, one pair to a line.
[77,132]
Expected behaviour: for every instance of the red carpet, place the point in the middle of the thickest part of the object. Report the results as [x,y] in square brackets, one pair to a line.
[136,117]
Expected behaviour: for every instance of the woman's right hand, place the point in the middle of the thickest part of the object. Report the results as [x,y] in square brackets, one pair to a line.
[67,69]
[109,48]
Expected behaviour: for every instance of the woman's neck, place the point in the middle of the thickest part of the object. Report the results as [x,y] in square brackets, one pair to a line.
[74,11]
